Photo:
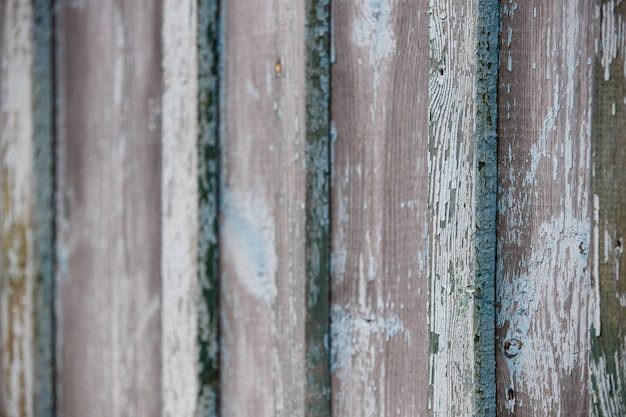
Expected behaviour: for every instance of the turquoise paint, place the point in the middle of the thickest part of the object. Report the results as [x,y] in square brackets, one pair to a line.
[488,31]
[44,210]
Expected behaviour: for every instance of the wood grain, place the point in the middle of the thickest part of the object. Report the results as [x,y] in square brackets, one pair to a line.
[318,208]
[109,83]
[379,181]
[179,210]
[462,206]
[608,352]
[262,209]
[544,209]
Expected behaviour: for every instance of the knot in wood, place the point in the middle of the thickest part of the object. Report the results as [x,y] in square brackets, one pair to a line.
[512,348]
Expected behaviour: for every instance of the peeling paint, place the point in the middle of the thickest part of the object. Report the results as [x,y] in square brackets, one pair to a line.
[462,190]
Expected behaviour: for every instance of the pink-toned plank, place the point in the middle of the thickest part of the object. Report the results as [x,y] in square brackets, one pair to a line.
[379,110]
[109,208]
[544,208]
[262,214]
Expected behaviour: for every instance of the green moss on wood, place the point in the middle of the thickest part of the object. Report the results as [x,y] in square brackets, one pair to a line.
[208,180]
[317,208]
[608,352]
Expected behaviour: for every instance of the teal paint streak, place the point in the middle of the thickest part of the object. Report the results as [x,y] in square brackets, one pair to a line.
[44,213]
[488,32]
[208,201]
[317,208]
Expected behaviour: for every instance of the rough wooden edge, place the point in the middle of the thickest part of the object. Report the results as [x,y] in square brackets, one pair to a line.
[462,279]
[208,196]
[180,209]
[608,343]
[317,208]
[488,57]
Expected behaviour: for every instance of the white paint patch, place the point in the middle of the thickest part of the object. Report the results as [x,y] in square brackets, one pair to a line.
[596,305]
[372,29]
[179,209]
[613,34]
[249,245]
[358,341]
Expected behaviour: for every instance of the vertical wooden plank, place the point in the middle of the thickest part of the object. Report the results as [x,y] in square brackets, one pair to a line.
[462,206]
[262,214]
[208,193]
[378,208]
[27,232]
[109,85]
[544,208]
[318,208]
[179,208]
[608,352]
[17,231]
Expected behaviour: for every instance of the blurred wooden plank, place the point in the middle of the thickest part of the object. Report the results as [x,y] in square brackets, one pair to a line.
[608,352]
[462,206]
[179,208]
[379,203]
[109,83]
[544,208]
[27,231]
[262,214]
[17,229]
[318,208]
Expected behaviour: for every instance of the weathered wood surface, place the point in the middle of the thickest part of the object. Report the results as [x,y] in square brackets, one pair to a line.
[317,75]
[179,209]
[26,232]
[379,183]
[109,84]
[462,206]
[208,183]
[608,352]
[262,209]
[544,209]
[17,285]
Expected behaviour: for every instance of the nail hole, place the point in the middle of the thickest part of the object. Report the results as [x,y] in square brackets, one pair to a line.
[441,71]
[510,393]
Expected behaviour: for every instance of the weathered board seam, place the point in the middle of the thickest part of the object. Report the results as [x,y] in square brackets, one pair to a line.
[208,196]
[462,190]
[179,315]
[44,233]
[317,208]
[608,336]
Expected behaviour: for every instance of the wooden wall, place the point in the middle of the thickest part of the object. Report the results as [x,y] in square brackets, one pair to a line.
[312,208]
